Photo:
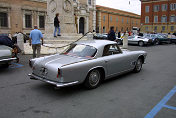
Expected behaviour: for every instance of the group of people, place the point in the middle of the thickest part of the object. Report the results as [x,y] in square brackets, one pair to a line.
[112,34]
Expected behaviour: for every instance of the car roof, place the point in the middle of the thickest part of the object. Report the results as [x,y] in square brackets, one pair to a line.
[96,43]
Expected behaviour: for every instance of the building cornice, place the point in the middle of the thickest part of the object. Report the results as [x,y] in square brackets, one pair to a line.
[43,1]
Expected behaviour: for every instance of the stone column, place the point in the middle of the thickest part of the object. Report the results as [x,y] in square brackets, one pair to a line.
[125,41]
[66,16]
[94,15]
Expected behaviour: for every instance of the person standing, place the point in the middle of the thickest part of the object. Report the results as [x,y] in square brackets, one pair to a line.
[34,40]
[119,34]
[56,25]
[111,34]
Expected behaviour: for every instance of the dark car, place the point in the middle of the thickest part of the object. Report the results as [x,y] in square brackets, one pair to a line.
[100,36]
[162,38]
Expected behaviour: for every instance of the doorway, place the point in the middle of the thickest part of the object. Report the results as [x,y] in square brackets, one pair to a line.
[81,25]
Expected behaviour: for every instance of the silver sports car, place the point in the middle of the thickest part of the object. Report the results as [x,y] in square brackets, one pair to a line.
[88,62]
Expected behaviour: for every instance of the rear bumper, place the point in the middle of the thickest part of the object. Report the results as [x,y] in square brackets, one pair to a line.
[8,59]
[57,84]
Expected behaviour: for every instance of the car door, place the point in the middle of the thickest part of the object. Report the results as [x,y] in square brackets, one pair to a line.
[116,61]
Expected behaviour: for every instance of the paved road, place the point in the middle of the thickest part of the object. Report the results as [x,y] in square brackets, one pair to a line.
[129,96]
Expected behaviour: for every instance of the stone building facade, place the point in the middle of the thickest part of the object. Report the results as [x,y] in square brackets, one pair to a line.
[22,15]
[158,16]
[120,20]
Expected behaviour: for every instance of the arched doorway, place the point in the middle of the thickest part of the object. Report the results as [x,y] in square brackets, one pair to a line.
[81,25]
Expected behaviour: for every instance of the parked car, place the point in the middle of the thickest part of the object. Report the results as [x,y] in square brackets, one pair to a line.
[6,41]
[100,36]
[88,62]
[162,38]
[173,39]
[138,40]
[6,55]
[151,37]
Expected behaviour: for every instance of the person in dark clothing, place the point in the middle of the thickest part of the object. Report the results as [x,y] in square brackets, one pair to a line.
[111,34]
[174,33]
[119,34]
[57,25]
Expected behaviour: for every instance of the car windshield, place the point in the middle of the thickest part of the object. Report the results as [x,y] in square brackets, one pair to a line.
[80,51]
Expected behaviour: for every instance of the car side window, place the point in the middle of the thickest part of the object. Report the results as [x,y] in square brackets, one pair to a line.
[111,50]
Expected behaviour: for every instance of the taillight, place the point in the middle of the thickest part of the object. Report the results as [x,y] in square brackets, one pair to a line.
[58,73]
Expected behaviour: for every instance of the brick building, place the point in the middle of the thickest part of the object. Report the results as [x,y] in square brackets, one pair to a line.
[22,15]
[158,16]
[120,20]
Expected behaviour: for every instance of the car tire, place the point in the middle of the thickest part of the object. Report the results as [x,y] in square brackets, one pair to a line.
[157,42]
[138,66]
[93,79]
[141,43]
[6,65]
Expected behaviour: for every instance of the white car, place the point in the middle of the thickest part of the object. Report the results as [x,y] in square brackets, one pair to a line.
[138,40]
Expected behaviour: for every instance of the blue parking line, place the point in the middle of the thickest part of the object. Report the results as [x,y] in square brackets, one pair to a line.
[162,104]
[16,65]
[170,107]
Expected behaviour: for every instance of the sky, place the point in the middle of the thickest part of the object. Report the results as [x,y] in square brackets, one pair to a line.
[125,5]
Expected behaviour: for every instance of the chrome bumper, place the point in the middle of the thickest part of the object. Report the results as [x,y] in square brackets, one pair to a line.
[32,76]
[8,59]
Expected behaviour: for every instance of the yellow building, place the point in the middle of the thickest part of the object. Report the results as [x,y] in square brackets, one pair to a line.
[120,20]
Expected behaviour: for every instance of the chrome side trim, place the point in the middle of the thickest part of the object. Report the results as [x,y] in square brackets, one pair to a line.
[8,59]
[32,76]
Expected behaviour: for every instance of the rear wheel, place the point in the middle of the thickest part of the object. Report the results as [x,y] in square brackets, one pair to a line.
[93,79]
[138,66]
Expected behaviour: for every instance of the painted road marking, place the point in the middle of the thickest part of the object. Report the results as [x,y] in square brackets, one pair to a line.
[15,65]
[162,104]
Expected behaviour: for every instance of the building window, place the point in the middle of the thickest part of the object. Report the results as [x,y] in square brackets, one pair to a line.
[41,21]
[122,29]
[122,20]
[104,18]
[172,28]
[28,21]
[116,29]
[147,19]
[3,19]
[147,8]
[163,28]
[110,18]
[155,28]
[164,7]
[164,19]
[173,6]
[117,19]
[104,29]
[127,20]
[155,19]
[172,19]
[156,8]
[146,28]
[90,2]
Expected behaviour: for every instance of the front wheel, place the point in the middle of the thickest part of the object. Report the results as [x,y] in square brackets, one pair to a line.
[138,66]
[93,79]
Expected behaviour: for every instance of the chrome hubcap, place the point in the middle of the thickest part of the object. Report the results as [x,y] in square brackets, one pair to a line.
[94,78]
[139,65]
